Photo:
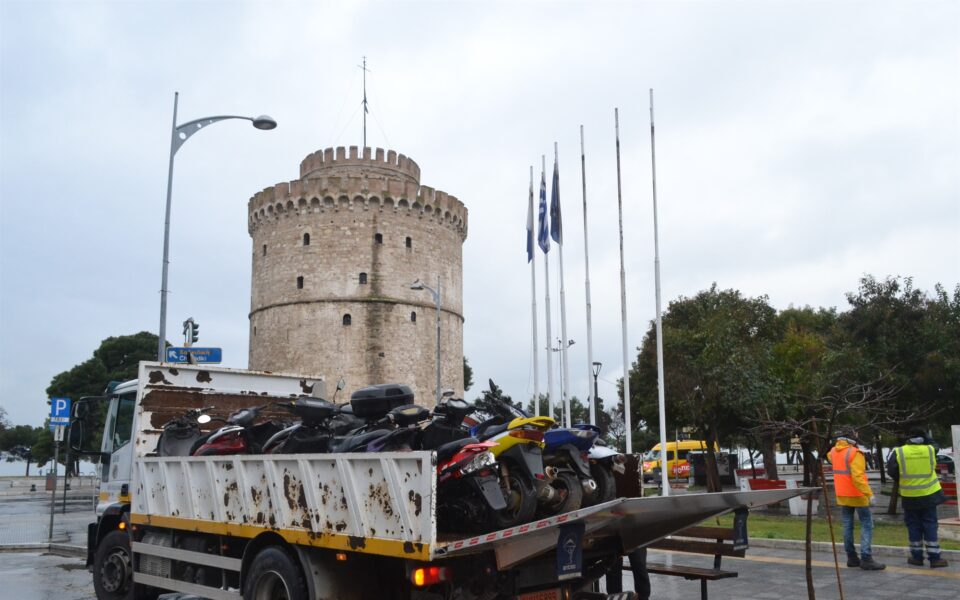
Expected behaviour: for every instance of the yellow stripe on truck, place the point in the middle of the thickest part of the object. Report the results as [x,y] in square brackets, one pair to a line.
[333,541]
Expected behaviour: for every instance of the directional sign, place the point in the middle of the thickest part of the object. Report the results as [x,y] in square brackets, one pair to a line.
[194,355]
[59,411]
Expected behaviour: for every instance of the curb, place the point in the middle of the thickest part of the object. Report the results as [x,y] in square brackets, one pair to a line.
[68,550]
[894,551]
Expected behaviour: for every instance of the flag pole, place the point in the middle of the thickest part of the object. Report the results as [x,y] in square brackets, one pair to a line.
[565,342]
[586,262]
[623,297]
[531,255]
[546,274]
[665,476]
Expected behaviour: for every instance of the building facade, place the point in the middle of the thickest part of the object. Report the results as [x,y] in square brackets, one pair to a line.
[334,254]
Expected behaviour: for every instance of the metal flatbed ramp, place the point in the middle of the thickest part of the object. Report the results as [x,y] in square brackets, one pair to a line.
[637,521]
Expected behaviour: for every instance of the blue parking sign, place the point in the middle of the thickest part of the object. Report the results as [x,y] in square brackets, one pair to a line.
[59,411]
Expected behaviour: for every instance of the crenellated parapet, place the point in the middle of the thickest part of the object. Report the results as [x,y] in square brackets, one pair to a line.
[320,191]
[373,161]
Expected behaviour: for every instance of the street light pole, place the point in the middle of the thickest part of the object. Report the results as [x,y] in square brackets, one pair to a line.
[179,135]
[595,407]
[417,285]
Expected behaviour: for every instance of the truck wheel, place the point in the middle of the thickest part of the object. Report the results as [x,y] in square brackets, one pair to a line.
[569,493]
[113,570]
[274,575]
[521,497]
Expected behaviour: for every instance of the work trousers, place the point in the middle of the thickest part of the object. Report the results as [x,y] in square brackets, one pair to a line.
[641,579]
[866,530]
[922,531]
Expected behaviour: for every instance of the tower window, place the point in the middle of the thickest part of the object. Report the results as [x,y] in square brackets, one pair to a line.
[306,239]
[347,319]
[264,249]
[409,242]
[413,317]
[378,238]
[300,282]
[363,278]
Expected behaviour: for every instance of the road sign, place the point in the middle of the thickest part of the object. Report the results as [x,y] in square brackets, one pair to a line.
[58,433]
[193,355]
[59,411]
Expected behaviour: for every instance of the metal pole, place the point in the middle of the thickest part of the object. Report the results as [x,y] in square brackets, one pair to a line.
[66,470]
[533,303]
[546,274]
[162,335]
[564,345]
[623,297]
[53,493]
[586,264]
[438,340]
[656,274]
[596,395]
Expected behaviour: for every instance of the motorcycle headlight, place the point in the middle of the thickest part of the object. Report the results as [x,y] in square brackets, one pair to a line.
[484,459]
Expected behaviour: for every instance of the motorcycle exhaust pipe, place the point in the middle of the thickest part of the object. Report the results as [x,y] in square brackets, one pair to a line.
[589,486]
[550,472]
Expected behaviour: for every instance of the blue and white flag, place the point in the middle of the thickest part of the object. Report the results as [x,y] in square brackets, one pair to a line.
[530,222]
[543,239]
[556,226]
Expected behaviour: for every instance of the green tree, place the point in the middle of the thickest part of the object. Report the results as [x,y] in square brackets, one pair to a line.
[716,348]
[467,375]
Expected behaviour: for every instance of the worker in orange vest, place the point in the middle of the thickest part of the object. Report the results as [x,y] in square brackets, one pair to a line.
[854,497]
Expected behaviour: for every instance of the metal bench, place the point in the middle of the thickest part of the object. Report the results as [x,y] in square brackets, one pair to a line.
[712,541]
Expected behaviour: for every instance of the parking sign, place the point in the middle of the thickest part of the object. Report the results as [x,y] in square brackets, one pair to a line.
[59,411]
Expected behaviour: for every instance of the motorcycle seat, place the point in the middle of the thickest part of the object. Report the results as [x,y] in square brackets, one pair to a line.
[447,450]
[353,443]
[492,430]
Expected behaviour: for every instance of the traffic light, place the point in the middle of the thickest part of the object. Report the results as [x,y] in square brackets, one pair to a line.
[191,331]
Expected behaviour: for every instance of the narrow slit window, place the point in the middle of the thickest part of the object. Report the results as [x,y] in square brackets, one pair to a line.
[300,282]
[363,278]
[378,238]
[413,317]
[264,249]
[347,319]
[306,239]
[409,242]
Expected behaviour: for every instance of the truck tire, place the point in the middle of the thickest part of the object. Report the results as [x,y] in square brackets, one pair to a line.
[274,575]
[113,570]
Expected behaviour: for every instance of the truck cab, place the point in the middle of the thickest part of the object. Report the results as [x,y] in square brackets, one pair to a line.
[116,448]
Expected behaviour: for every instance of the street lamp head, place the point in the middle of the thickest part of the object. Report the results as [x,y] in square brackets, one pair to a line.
[416,285]
[570,343]
[264,122]
[596,368]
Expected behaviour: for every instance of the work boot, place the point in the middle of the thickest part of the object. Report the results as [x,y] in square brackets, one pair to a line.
[853,561]
[937,562]
[917,562]
[868,564]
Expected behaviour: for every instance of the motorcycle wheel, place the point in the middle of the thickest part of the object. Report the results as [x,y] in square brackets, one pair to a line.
[521,497]
[606,485]
[569,494]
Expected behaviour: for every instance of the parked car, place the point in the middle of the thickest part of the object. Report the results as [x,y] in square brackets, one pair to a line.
[945,461]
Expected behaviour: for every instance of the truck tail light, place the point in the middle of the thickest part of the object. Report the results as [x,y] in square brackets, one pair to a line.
[429,575]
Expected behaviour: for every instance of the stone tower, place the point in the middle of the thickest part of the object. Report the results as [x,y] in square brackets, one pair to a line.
[334,254]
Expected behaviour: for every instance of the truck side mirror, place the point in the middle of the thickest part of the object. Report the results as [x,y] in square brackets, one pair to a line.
[76,435]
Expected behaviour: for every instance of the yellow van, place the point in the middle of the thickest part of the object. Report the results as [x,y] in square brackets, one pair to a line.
[677,465]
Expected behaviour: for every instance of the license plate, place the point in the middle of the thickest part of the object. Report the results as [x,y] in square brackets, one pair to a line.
[619,468]
[553,594]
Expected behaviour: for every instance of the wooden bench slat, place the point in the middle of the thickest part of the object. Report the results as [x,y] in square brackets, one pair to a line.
[689,572]
[699,547]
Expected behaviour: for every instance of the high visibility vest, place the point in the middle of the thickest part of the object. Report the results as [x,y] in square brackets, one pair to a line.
[918,475]
[842,481]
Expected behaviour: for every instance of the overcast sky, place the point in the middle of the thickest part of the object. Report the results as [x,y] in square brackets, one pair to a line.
[800,145]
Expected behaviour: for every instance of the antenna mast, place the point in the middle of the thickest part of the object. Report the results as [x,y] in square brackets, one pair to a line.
[365,109]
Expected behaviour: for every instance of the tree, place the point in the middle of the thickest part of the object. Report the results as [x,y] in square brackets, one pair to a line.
[467,375]
[19,440]
[716,346]
[4,421]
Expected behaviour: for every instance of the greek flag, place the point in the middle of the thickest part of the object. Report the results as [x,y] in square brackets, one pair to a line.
[542,238]
[530,223]
[556,226]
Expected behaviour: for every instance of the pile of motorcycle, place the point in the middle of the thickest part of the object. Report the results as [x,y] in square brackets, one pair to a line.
[496,466]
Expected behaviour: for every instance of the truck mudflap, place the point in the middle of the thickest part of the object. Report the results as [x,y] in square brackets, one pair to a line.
[635,521]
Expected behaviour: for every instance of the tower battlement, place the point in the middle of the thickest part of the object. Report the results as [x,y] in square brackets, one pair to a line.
[337,161]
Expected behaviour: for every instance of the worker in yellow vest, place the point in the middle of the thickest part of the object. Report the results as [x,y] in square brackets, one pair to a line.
[854,497]
[913,466]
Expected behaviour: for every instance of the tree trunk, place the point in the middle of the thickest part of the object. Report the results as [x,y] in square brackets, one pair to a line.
[768,447]
[713,473]
[894,497]
[880,465]
[807,462]
[28,468]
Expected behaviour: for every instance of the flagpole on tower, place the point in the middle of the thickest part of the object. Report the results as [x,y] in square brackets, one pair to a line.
[556,231]
[623,297]
[533,296]
[365,109]
[586,263]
